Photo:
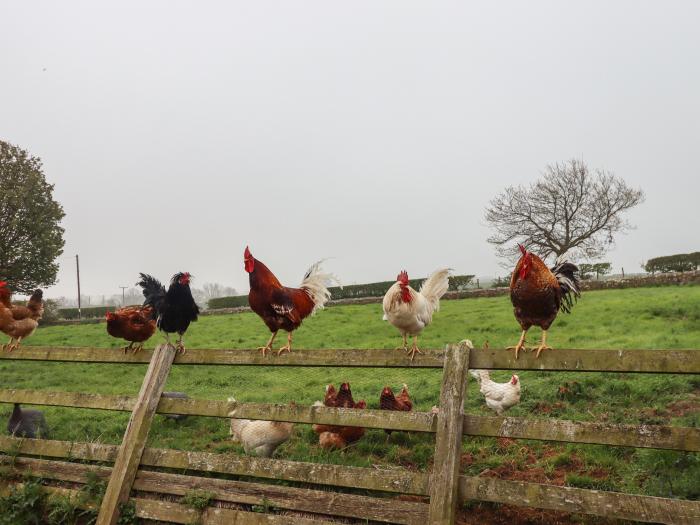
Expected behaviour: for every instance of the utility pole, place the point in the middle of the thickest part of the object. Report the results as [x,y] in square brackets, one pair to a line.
[77,271]
[123,288]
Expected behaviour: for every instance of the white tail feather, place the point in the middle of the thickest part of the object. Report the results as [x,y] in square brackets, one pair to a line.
[480,374]
[435,287]
[316,283]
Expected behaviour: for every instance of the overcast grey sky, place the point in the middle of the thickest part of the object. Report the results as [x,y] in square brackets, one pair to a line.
[374,132]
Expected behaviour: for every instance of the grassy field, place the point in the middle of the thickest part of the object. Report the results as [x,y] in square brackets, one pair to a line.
[634,318]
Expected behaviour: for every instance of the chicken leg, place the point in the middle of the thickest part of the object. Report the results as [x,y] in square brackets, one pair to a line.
[14,346]
[520,345]
[8,346]
[180,345]
[414,348]
[405,345]
[268,346]
[288,346]
[128,347]
[543,344]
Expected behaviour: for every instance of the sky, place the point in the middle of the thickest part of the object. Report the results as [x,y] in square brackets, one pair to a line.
[371,132]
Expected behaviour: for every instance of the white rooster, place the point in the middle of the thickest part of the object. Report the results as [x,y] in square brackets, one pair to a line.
[412,311]
[499,396]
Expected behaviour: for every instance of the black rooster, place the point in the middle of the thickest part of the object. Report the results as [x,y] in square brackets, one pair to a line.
[173,310]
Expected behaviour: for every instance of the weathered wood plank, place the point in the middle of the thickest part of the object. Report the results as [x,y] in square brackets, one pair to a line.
[682,361]
[366,358]
[385,480]
[277,496]
[648,361]
[178,513]
[408,421]
[134,443]
[448,439]
[581,501]
[641,436]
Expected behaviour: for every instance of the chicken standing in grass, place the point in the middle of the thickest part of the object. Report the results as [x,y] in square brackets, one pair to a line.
[27,423]
[499,396]
[258,437]
[412,311]
[19,322]
[280,307]
[389,401]
[538,293]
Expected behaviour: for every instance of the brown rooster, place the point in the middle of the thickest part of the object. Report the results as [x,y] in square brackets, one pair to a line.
[133,323]
[538,293]
[400,403]
[19,322]
[280,307]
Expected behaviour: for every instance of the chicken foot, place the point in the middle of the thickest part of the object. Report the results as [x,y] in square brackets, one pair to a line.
[543,345]
[180,345]
[128,347]
[13,346]
[288,346]
[8,346]
[520,345]
[268,346]
[405,345]
[414,348]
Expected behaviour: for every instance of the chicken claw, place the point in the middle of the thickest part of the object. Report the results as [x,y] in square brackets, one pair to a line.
[543,345]
[128,347]
[520,345]
[138,348]
[414,349]
[288,346]
[405,345]
[264,349]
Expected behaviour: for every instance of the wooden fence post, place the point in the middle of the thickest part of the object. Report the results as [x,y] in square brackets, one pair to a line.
[444,480]
[129,457]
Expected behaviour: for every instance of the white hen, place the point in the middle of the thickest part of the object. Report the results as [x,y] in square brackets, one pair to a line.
[412,311]
[259,437]
[499,396]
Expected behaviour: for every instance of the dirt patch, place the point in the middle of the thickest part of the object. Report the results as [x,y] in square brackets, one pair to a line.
[684,407]
[493,514]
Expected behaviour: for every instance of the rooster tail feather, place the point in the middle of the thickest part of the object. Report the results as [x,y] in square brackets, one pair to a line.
[316,283]
[435,286]
[567,275]
[153,290]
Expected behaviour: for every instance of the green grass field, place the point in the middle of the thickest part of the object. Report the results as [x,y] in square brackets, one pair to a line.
[634,318]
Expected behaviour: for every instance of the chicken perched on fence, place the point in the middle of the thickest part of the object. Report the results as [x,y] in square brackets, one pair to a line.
[132,323]
[27,423]
[280,307]
[389,401]
[538,293]
[19,322]
[174,309]
[499,396]
[412,311]
[259,437]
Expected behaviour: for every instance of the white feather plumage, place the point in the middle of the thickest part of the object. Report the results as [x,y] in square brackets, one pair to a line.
[316,283]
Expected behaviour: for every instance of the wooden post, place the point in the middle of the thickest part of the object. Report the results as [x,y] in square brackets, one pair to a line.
[129,457]
[444,480]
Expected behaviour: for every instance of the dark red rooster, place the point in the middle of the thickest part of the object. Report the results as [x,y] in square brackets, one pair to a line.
[133,323]
[174,309]
[538,293]
[280,307]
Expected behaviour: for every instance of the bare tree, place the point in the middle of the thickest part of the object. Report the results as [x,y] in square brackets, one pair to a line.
[569,209]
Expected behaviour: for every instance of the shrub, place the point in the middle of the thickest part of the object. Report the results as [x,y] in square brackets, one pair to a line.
[87,313]
[682,262]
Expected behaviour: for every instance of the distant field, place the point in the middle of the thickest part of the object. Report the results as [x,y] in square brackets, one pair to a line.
[666,317]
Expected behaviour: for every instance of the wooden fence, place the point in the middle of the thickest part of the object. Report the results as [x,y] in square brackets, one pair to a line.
[137,471]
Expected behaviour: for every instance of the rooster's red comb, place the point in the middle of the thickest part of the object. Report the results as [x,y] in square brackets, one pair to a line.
[247,254]
[403,277]
[3,284]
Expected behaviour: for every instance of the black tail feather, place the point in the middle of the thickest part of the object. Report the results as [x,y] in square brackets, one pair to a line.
[153,291]
[567,275]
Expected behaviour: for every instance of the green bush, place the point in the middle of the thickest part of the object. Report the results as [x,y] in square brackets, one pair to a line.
[353,291]
[682,262]
[87,313]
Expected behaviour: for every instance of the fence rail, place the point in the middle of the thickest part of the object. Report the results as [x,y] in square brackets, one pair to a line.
[444,486]
[684,361]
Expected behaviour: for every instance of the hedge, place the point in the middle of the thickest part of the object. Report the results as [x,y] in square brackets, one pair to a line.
[682,262]
[353,291]
[88,313]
